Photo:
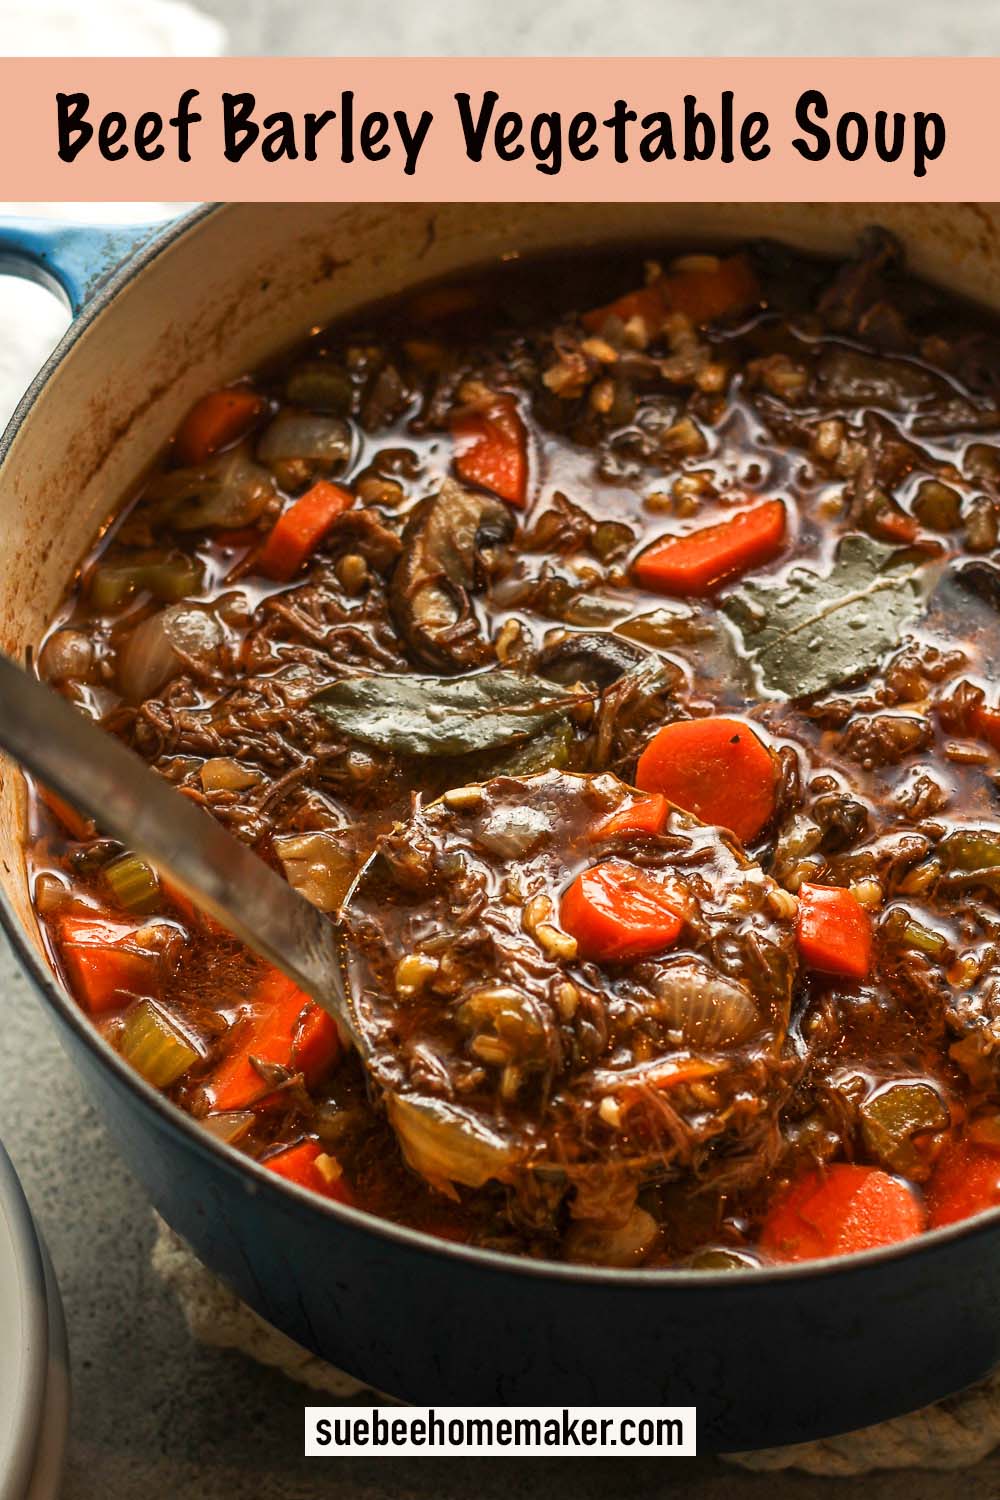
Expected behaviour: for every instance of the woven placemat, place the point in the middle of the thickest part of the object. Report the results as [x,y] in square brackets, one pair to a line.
[951,1435]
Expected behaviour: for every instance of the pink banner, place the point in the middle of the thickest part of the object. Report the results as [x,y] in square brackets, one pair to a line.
[490,129]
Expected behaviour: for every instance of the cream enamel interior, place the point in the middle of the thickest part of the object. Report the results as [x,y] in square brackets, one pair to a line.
[247,279]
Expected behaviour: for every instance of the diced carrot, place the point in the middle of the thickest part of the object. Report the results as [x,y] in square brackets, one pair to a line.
[105,968]
[491,446]
[715,768]
[966,1181]
[299,530]
[834,931]
[617,911]
[215,421]
[286,1029]
[75,823]
[310,1166]
[700,561]
[986,724]
[647,303]
[642,815]
[840,1211]
[704,295]
[701,294]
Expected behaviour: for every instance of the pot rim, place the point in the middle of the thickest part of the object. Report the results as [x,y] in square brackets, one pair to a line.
[267,1183]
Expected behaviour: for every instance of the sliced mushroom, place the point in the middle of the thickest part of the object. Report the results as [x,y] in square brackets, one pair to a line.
[591,656]
[442,561]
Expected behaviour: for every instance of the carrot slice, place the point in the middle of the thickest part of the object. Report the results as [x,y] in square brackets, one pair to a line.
[616,911]
[104,967]
[840,1211]
[715,768]
[834,931]
[700,561]
[645,815]
[299,530]
[286,1029]
[310,1166]
[966,1181]
[491,446]
[215,421]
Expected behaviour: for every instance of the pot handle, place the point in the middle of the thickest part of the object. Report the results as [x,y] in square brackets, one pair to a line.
[72,260]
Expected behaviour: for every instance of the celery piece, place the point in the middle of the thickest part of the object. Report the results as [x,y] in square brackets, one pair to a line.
[154,1046]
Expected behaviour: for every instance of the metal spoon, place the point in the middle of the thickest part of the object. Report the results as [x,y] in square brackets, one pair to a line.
[95,772]
[98,774]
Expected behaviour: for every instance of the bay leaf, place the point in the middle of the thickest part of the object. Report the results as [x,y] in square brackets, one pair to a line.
[813,631]
[422,715]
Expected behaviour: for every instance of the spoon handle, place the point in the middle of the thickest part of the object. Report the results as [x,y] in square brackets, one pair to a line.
[111,784]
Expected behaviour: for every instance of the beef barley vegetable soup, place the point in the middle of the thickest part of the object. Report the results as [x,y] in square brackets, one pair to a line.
[644,615]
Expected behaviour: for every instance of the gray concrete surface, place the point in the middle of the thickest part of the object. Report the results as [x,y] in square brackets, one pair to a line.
[155,1416]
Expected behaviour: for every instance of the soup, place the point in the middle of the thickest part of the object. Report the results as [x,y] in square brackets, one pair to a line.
[642,614]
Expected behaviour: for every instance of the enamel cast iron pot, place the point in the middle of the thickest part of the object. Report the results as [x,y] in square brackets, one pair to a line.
[770,1356]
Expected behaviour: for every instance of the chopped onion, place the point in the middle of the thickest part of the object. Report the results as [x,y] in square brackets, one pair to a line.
[155,651]
[626,1245]
[322,385]
[316,866]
